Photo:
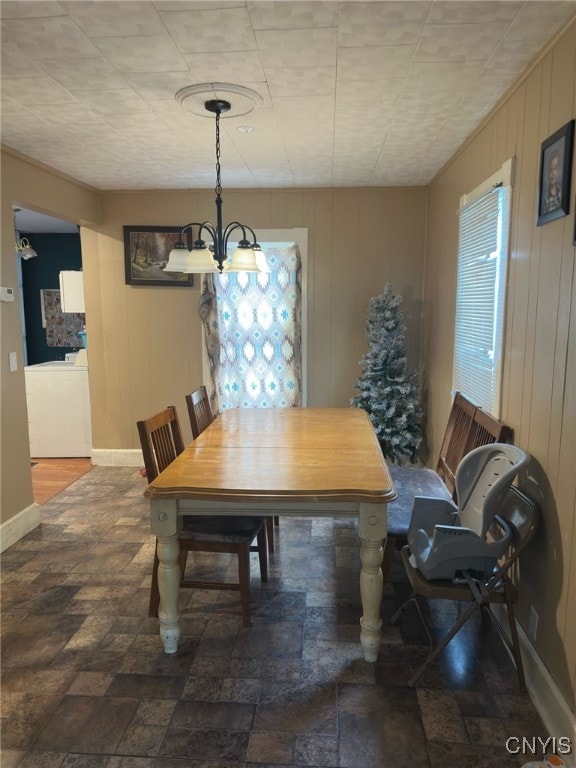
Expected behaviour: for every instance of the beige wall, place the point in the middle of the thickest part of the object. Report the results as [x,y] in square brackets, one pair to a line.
[539,390]
[144,344]
[26,186]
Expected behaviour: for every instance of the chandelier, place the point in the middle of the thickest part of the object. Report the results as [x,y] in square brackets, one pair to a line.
[246,257]
[23,247]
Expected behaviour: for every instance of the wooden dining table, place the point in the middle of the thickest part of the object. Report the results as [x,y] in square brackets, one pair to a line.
[315,462]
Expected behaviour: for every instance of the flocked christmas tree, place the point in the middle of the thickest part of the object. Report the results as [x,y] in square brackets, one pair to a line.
[386,390]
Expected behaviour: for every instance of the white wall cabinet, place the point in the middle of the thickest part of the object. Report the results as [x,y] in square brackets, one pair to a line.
[58,399]
[72,291]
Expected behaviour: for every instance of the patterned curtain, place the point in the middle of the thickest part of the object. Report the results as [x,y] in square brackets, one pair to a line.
[252,323]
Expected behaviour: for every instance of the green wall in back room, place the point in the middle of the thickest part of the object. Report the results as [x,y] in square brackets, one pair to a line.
[56,252]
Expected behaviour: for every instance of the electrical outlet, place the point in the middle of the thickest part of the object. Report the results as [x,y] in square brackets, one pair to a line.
[533,623]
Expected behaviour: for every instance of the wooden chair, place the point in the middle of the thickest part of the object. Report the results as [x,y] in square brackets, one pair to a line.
[199,410]
[455,438]
[468,427]
[201,416]
[521,514]
[161,441]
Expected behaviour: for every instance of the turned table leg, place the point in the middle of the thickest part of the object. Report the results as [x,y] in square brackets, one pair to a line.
[372,530]
[164,523]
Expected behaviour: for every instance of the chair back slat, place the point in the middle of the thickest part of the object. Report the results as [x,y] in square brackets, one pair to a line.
[199,411]
[486,430]
[161,441]
[454,444]
[468,427]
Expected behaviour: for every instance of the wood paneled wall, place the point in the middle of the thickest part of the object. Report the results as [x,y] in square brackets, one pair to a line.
[144,344]
[539,388]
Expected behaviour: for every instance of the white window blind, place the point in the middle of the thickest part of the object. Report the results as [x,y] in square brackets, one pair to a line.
[481,293]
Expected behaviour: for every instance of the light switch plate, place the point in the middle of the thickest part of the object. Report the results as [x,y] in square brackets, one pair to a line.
[12,361]
[6,294]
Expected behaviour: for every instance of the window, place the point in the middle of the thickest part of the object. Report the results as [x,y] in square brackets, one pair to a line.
[484,222]
[255,329]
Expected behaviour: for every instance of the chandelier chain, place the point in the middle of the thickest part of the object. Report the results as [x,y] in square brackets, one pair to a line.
[218,188]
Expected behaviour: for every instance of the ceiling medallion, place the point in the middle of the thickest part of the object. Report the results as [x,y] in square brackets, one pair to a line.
[242,100]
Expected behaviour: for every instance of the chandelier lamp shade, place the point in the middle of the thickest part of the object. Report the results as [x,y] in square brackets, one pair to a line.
[213,256]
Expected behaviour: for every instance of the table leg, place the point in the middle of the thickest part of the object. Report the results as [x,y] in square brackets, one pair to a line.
[169,587]
[372,530]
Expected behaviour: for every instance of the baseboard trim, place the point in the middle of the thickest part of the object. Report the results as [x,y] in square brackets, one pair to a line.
[104,457]
[549,702]
[19,525]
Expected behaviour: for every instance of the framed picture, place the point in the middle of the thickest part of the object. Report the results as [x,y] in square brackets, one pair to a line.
[146,251]
[555,169]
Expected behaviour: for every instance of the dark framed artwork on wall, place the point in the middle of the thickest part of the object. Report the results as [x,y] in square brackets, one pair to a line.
[555,171]
[146,251]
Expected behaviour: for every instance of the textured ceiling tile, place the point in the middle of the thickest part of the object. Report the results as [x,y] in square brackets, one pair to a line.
[274,14]
[298,132]
[458,42]
[510,57]
[16,9]
[154,53]
[211,30]
[425,79]
[12,107]
[373,63]
[122,18]
[64,114]
[84,74]
[486,92]
[159,85]
[301,81]
[313,177]
[297,48]
[421,128]
[387,23]
[49,38]
[14,127]
[368,96]
[305,107]
[15,62]
[196,5]
[539,19]
[477,12]
[356,155]
[112,102]
[433,109]
[359,134]
[35,90]
[67,105]
[224,67]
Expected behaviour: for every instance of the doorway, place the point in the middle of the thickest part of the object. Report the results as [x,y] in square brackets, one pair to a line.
[55,462]
[57,245]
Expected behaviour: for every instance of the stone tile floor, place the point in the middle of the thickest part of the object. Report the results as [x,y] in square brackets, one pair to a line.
[86,684]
